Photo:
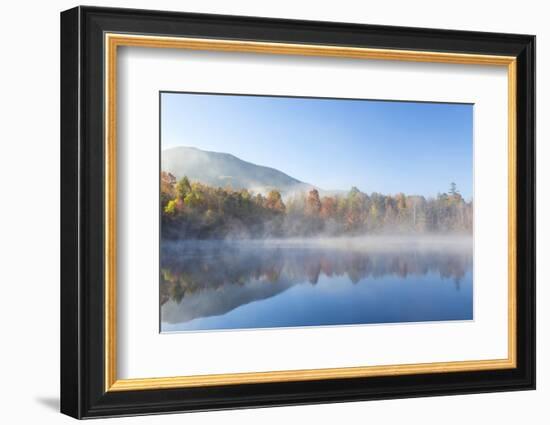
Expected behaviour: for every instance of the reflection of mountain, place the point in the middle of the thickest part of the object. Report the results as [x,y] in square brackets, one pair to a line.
[223,170]
[215,302]
[210,278]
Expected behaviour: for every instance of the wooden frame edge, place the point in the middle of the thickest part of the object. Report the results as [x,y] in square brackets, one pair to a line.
[306,375]
[114,40]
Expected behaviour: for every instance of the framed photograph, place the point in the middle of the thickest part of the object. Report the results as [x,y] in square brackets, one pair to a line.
[261,212]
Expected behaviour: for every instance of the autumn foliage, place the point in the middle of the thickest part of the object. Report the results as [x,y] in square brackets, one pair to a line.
[192,210]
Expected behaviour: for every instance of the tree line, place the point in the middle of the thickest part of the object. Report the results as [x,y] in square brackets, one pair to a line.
[193,210]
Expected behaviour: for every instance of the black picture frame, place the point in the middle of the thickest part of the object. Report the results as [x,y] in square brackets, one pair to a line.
[83,392]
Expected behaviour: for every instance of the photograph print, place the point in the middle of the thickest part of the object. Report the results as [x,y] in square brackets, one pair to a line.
[281,212]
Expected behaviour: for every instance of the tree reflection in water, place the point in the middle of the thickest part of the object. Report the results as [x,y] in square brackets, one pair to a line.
[212,277]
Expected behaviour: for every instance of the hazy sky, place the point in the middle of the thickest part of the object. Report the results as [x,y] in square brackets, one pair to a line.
[386,147]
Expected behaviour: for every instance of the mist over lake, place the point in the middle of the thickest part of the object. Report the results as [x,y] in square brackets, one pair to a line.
[281,212]
[208,285]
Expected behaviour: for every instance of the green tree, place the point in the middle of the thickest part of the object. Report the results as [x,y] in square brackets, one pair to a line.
[453,191]
[193,199]
[183,188]
[171,207]
[357,209]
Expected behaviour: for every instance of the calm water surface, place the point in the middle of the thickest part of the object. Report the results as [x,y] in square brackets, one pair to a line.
[209,285]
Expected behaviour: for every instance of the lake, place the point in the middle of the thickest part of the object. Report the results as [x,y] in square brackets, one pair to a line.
[217,285]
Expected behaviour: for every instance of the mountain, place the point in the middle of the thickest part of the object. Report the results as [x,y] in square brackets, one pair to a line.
[226,170]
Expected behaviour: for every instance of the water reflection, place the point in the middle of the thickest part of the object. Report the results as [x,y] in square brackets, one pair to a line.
[228,285]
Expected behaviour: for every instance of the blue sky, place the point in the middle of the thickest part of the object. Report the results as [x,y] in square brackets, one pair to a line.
[387,147]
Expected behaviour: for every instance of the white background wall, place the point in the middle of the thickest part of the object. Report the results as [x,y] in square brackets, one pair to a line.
[29,212]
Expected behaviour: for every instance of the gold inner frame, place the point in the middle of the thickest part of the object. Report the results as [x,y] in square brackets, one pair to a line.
[113,41]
